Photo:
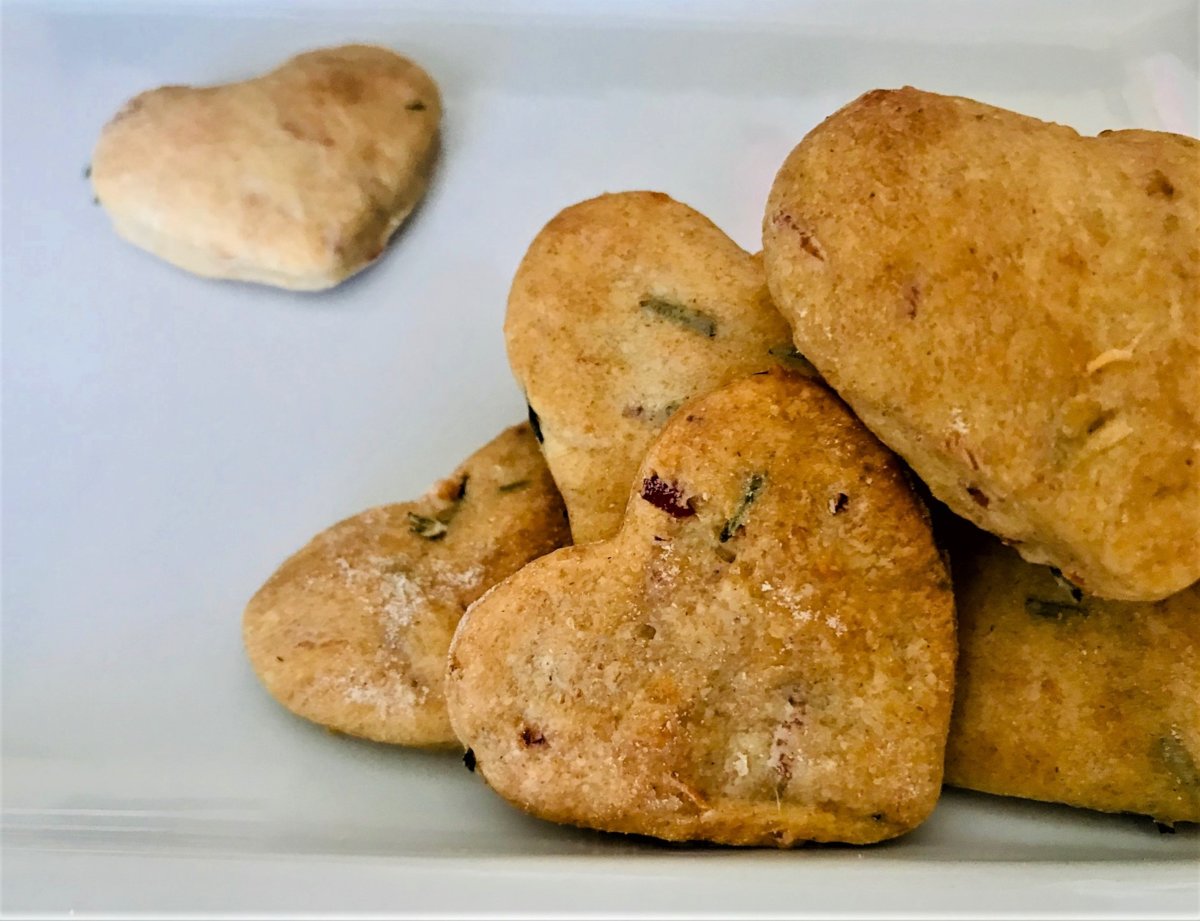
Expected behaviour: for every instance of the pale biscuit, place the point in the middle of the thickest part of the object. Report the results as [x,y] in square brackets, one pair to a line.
[296,178]
[352,631]
[763,654]
[1015,309]
[624,307]
[1069,698]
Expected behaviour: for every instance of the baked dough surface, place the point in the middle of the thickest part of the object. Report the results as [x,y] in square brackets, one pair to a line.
[763,654]
[352,631]
[1015,310]
[296,178]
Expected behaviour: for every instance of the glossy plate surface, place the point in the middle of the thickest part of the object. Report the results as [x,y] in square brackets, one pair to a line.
[168,440]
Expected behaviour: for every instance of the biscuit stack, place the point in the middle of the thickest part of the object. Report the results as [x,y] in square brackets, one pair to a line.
[754,637]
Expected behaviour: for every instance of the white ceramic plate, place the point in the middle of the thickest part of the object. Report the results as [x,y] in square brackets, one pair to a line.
[168,440]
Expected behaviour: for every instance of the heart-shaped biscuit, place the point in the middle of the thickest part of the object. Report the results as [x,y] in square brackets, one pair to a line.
[1070,698]
[296,178]
[352,631]
[1015,309]
[624,307]
[763,654]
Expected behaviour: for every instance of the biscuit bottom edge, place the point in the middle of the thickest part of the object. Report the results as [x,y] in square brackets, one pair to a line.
[749,825]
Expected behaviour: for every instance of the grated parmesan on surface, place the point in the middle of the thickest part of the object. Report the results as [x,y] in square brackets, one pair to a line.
[1107,358]
[397,595]
[449,579]
[401,598]
[394,695]
[958,422]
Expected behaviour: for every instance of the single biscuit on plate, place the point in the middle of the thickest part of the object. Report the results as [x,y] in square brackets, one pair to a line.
[763,654]
[296,178]
[352,631]
[624,307]
[1069,698]
[1015,309]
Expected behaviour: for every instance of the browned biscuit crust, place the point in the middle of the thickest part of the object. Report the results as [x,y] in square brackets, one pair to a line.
[763,654]
[296,178]
[624,307]
[352,631]
[1069,698]
[1014,309]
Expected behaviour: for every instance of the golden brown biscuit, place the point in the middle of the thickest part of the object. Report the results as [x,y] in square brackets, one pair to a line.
[763,654]
[624,307]
[296,178]
[1068,698]
[1015,309]
[352,631]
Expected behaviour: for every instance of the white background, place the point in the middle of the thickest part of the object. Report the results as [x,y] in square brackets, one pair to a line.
[167,441]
